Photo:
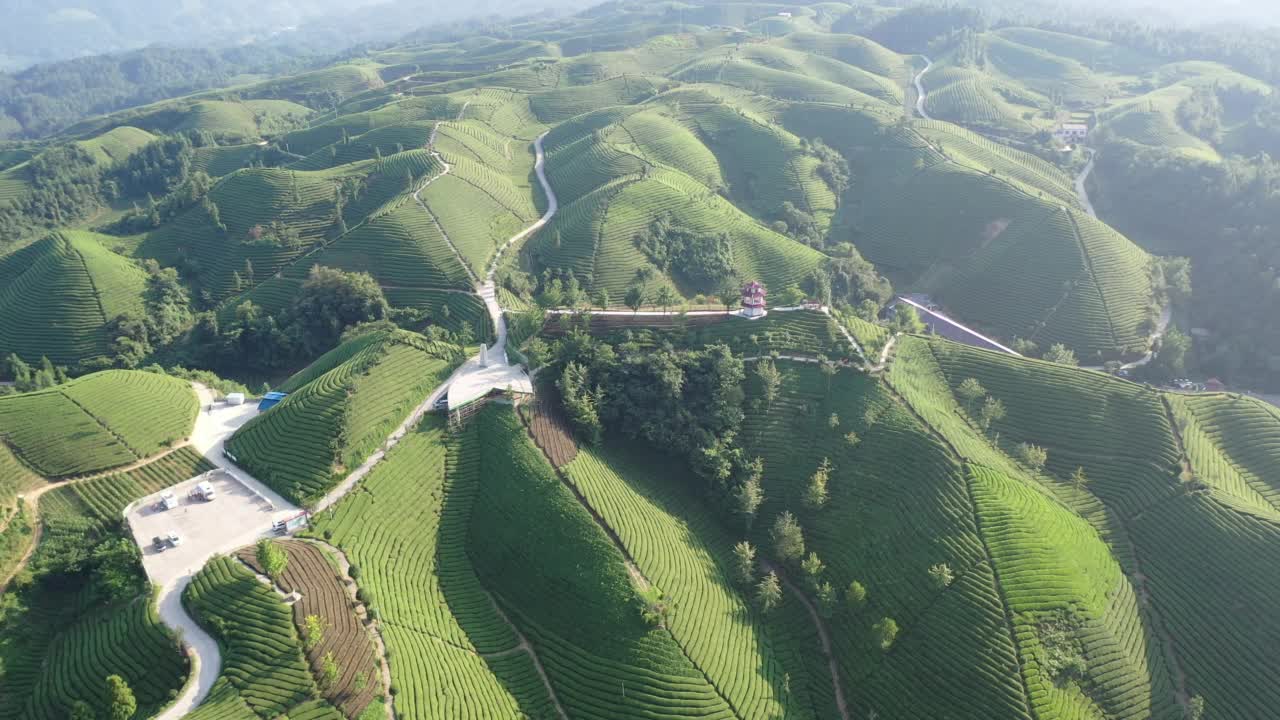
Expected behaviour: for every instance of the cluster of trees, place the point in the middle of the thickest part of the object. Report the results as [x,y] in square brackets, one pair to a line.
[832,166]
[276,234]
[120,703]
[26,378]
[45,99]
[67,183]
[64,183]
[192,190]
[703,259]
[686,401]
[788,545]
[1224,217]
[330,302]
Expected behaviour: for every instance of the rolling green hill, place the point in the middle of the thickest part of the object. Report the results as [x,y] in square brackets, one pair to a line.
[332,420]
[973,535]
[97,422]
[82,287]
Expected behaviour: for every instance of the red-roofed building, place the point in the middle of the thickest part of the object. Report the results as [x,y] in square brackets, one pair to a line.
[1214,385]
[753,302]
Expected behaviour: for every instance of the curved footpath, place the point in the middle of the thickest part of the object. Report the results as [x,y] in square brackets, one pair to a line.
[920,93]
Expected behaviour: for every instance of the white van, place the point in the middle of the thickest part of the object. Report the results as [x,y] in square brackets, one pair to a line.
[168,501]
[204,490]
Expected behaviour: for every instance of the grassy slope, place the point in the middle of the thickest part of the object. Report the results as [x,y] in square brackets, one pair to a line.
[81,286]
[436,615]
[97,422]
[330,424]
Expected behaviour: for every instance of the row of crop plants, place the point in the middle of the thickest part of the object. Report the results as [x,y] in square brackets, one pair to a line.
[80,284]
[129,642]
[326,621]
[561,579]
[1233,444]
[1212,569]
[330,424]
[58,436]
[407,534]
[1084,646]
[1117,431]
[262,653]
[1086,637]
[104,499]
[897,507]
[685,553]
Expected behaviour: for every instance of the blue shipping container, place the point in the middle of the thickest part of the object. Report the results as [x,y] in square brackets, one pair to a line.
[270,400]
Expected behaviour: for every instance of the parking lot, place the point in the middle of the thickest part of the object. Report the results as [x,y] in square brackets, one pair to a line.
[237,516]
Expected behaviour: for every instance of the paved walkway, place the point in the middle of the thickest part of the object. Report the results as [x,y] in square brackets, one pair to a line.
[253,512]
[1080,180]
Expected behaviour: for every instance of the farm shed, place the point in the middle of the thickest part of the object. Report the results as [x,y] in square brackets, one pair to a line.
[270,400]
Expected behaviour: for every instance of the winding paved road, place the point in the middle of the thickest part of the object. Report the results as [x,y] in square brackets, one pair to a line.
[921,95]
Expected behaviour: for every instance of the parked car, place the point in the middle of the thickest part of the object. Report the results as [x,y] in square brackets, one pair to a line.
[159,543]
[173,539]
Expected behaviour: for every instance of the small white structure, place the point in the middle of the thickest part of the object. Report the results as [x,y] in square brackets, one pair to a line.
[204,491]
[1071,133]
[168,501]
[235,398]
[784,14]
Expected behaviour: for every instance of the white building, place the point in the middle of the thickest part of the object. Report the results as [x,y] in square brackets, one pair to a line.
[1071,133]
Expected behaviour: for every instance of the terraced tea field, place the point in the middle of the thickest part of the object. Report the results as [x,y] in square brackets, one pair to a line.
[262,654]
[311,573]
[95,423]
[82,286]
[450,647]
[332,422]
[1233,443]
[898,506]
[131,643]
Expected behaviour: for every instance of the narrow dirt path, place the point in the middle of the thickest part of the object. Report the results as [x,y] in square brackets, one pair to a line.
[533,655]
[823,635]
